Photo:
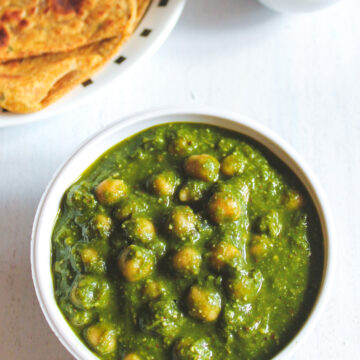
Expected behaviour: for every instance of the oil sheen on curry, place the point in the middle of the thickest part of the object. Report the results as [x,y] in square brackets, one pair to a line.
[186,242]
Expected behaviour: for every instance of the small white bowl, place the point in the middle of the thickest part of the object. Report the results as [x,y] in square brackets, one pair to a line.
[298,6]
[102,141]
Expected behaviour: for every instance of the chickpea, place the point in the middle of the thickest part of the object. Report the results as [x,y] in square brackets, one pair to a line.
[224,207]
[163,318]
[190,349]
[92,260]
[90,291]
[192,190]
[81,317]
[203,304]
[245,286]
[158,247]
[237,186]
[101,337]
[271,224]
[204,167]
[181,146]
[293,200]
[102,225]
[223,254]
[163,184]
[153,290]
[89,255]
[260,246]
[182,222]
[139,229]
[79,196]
[110,191]
[128,207]
[187,261]
[132,356]
[232,165]
[135,263]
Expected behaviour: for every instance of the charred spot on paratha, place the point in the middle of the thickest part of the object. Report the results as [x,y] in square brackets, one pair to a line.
[65,7]
[23,23]
[4,37]
[12,15]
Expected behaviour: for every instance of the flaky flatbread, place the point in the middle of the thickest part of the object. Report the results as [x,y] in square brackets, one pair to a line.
[142,6]
[31,84]
[34,27]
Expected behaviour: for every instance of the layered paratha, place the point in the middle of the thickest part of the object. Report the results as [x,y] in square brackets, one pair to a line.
[31,84]
[142,6]
[33,27]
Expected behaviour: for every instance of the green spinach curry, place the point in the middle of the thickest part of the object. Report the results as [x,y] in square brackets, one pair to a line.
[186,242]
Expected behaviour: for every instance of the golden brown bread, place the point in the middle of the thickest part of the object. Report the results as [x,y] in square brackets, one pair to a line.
[142,6]
[34,27]
[31,84]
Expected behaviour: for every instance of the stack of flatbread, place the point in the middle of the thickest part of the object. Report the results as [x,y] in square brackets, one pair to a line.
[49,46]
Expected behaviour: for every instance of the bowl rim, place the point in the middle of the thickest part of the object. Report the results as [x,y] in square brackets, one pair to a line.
[303,7]
[222,118]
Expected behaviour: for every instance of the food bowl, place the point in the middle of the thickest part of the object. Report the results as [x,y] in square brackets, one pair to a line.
[298,6]
[70,171]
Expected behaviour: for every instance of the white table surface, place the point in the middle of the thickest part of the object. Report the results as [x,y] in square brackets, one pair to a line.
[299,76]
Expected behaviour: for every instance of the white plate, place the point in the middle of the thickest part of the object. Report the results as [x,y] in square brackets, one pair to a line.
[88,152]
[153,30]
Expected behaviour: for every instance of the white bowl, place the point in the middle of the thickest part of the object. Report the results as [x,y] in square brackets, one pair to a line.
[160,19]
[298,6]
[102,141]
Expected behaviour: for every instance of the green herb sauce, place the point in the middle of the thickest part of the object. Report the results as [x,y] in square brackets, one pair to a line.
[187,242]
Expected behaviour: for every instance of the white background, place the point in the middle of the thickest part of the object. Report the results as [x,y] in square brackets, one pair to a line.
[299,76]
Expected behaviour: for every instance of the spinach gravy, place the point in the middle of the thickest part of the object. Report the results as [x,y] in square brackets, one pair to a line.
[187,242]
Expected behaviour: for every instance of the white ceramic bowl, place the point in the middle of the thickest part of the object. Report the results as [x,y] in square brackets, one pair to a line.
[298,6]
[157,24]
[102,141]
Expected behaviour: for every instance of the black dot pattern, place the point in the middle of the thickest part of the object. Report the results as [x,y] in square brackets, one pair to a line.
[145,32]
[87,82]
[120,60]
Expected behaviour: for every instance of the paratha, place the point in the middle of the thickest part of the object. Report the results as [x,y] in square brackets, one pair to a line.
[34,27]
[142,6]
[31,84]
